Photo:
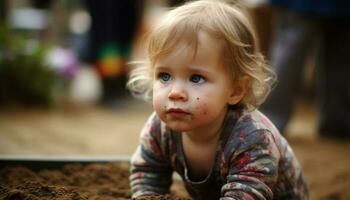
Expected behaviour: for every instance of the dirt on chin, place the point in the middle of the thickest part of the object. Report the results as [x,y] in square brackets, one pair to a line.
[74,181]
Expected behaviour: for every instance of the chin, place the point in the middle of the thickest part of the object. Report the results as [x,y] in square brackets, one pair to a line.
[177,127]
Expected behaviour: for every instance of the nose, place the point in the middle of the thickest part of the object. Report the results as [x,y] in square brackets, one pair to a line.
[178,92]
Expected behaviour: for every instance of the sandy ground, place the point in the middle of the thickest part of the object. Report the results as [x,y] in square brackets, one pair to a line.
[98,131]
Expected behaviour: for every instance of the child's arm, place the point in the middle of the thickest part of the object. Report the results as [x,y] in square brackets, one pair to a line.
[253,167]
[150,170]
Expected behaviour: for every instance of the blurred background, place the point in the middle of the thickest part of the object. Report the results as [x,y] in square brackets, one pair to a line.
[63,69]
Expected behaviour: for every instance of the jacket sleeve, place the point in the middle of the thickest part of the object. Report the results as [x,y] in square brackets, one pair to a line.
[151,171]
[253,167]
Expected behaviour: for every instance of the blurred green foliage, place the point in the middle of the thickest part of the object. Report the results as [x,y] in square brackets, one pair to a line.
[25,79]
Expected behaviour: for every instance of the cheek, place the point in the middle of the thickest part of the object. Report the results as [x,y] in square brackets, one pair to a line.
[158,101]
[202,107]
[206,109]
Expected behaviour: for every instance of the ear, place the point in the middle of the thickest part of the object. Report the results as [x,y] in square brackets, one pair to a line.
[239,90]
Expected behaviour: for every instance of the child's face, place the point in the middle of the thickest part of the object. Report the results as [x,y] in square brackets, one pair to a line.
[192,94]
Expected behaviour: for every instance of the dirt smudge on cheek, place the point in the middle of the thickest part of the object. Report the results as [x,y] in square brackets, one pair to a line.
[203,109]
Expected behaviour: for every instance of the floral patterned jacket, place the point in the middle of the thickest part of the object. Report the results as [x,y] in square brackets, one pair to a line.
[253,161]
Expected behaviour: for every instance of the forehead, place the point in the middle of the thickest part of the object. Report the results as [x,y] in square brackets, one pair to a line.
[204,49]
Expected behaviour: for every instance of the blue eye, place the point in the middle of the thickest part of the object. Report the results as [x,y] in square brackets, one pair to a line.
[164,77]
[196,79]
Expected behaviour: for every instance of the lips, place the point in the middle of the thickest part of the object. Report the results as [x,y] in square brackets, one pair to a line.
[177,113]
[176,110]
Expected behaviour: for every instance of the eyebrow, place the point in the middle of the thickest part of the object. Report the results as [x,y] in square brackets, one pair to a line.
[195,70]
[161,68]
[199,70]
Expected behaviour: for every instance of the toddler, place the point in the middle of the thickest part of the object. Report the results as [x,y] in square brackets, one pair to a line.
[206,77]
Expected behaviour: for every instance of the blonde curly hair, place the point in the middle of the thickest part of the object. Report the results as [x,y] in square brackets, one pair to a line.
[221,20]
